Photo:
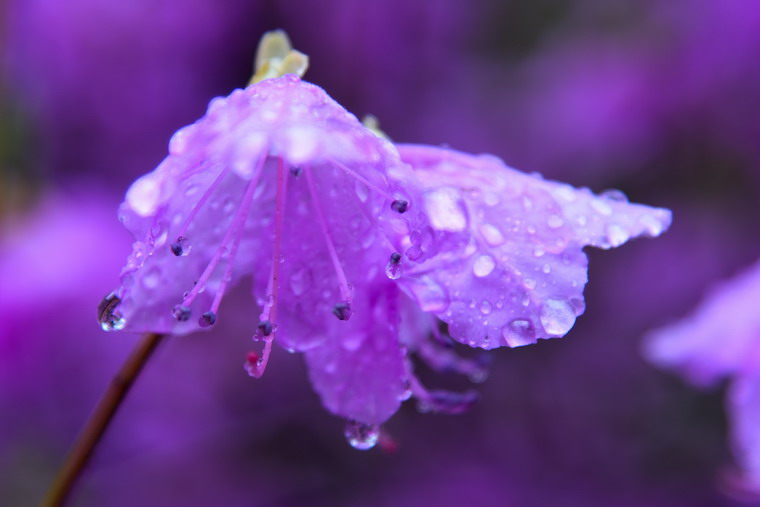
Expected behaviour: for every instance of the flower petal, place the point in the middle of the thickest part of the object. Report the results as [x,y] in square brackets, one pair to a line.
[511,269]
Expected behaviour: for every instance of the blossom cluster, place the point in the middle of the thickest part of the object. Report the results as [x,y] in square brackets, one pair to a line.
[356,248]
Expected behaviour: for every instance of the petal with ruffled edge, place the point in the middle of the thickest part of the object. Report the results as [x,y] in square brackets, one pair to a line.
[512,268]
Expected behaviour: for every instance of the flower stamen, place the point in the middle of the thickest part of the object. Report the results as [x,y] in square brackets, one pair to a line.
[234,232]
[267,326]
[181,246]
[344,312]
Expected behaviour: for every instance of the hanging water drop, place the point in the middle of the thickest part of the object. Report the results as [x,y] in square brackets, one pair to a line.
[109,317]
[361,436]
[557,316]
[519,332]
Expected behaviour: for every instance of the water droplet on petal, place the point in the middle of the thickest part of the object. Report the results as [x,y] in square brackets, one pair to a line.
[483,265]
[616,235]
[485,307]
[109,317]
[492,235]
[361,436]
[446,210]
[555,221]
[519,332]
[362,191]
[601,206]
[614,195]
[557,316]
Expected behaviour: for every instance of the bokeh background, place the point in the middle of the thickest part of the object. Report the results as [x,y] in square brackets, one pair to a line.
[659,98]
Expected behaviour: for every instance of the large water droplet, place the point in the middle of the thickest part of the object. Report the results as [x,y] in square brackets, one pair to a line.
[483,265]
[109,317]
[361,436]
[519,332]
[446,210]
[557,316]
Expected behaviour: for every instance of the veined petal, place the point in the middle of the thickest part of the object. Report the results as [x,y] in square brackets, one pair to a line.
[511,269]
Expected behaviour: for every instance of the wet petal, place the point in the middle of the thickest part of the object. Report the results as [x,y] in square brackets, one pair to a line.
[359,369]
[511,267]
[238,195]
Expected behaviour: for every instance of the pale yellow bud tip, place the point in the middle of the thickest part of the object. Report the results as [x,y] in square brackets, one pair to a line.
[373,124]
[276,57]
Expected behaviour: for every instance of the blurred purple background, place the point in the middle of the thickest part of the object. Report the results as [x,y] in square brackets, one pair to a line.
[658,98]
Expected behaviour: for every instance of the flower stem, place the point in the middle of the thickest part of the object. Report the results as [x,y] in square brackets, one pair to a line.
[100,419]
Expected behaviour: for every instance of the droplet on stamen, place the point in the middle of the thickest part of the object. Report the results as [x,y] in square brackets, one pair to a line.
[400,205]
[361,436]
[252,361]
[393,268]
[342,310]
[207,319]
[181,247]
[181,313]
[108,315]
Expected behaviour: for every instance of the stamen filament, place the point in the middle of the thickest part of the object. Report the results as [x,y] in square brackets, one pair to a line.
[239,218]
[364,180]
[270,312]
[343,281]
[201,202]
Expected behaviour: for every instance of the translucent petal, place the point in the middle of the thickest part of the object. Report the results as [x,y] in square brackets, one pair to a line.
[511,268]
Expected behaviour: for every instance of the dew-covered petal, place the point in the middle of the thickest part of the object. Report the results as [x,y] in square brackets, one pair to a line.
[213,201]
[359,369]
[718,338]
[511,268]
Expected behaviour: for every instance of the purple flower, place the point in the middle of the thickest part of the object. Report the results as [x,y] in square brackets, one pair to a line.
[512,268]
[721,339]
[279,184]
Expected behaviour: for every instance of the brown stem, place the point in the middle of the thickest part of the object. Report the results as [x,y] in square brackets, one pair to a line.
[100,419]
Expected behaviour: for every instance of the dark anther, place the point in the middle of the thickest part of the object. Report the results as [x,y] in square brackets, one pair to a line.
[400,205]
[395,258]
[342,311]
[179,247]
[265,327]
[181,313]
[296,171]
[207,319]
